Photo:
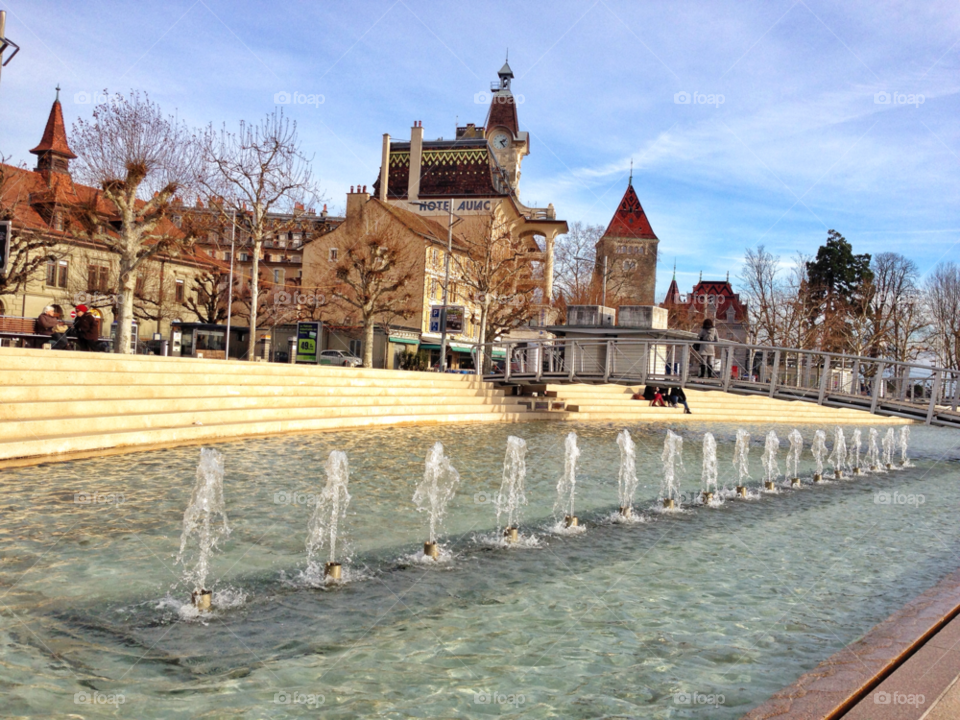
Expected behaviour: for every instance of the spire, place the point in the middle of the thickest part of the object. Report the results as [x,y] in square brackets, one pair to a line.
[630,181]
[503,108]
[701,276]
[674,269]
[53,152]
[630,221]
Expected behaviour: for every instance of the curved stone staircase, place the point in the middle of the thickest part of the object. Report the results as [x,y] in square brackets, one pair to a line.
[71,404]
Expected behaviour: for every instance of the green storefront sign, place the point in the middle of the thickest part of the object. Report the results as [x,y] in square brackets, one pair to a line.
[308,342]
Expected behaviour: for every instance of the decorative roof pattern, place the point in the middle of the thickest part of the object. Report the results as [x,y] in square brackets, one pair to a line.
[630,221]
[450,168]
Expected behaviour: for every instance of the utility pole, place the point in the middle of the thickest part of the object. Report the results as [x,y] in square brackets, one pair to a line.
[6,42]
[233,252]
[446,283]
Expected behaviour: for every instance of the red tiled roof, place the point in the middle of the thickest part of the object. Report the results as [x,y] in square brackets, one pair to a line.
[54,135]
[630,221]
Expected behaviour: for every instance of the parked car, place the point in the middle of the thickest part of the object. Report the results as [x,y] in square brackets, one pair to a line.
[338,357]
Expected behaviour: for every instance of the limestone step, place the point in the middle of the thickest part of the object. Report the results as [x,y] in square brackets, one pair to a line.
[48,410]
[81,443]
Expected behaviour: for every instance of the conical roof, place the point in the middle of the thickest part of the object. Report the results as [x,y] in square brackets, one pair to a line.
[55,134]
[630,221]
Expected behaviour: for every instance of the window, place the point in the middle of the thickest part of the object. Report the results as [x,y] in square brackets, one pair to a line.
[629,264]
[278,276]
[57,273]
[226,256]
[333,255]
[244,257]
[436,256]
[434,288]
[138,288]
[97,278]
[178,295]
[356,347]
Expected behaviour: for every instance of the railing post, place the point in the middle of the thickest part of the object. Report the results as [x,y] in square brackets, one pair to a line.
[877,385]
[508,365]
[855,380]
[824,378]
[776,371]
[934,395]
[956,392]
[644,363]
[684,365]
[727,369]
[539,355]
[607,361]
[571,356]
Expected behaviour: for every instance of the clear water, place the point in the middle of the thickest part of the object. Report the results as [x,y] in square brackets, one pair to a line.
[627,621]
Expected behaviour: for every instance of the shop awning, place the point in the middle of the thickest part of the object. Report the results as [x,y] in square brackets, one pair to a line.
[498,353]
[404,341]
[456,347]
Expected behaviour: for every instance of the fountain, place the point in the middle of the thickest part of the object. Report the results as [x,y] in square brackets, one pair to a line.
[708,477]
[888,442]
[204,521]
[873,452]
[771,469]
[512,497]
[793,456]
[438,486]
[819,450]
[567,484]
[856,452]
[741,461]
[627,479]
[838,458]
[672,460]
[330,511]
[904,441]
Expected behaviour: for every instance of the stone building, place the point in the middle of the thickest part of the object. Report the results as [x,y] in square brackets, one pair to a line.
[708,299]
[626,255]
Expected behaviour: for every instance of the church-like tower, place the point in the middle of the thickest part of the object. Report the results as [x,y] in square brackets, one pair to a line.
[628,251]
[502,128]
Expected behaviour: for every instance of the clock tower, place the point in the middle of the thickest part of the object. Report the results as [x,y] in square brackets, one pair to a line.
[502,129]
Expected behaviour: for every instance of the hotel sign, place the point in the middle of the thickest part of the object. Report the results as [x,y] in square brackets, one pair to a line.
[459,206]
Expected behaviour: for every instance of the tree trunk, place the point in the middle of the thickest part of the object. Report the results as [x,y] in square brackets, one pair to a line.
[486,360]
[368,326]
[124,308]
[254,291]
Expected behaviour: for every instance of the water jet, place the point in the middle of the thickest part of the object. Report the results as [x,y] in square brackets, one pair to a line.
[438,486]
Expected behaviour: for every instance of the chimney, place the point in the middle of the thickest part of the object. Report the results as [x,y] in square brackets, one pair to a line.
[356,201]
[416,153]
[385,167]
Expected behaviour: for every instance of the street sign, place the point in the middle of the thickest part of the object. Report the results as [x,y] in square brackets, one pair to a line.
[454,319]
[308,342]
[5,231]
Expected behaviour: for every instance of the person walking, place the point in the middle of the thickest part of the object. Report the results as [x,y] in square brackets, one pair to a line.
[708,336]
[677,396]
[87,326]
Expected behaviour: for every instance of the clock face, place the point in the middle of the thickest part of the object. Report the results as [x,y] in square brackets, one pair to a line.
[500,141]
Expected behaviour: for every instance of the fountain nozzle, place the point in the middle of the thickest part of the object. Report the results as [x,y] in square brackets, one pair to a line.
[570,521]
[817,477]
[707,497]
[431,549]
[332,570]
[511,534]
[769,485]
[795,482]
[838,474]
[669,504]
[857,471]
[626,511]
[741,491]
[201,600]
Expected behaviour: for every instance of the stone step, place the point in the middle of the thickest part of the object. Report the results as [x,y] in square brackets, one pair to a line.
[113,423]
[83,444]
[51,410]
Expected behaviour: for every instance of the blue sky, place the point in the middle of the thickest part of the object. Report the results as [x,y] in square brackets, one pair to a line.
[800,141]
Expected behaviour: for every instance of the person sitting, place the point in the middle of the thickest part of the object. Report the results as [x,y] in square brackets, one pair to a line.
[657,399]
[676,396]
[49,325]
[87,327]
[649,392]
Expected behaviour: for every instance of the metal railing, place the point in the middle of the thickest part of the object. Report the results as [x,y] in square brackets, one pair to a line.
[910,390]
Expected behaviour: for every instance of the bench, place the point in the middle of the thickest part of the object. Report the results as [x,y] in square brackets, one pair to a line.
[20,330]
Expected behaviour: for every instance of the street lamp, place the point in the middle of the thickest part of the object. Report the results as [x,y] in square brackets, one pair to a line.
[6,42]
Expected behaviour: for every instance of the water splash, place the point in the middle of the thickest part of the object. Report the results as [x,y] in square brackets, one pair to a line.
[904,442]
[512,496]
[330,512]
[873,452]
[439,484]
[771,468]
[708,477]
[204,521]
[672,459]
[857,443]
[819,450]
[741,460]
[627,479]
[567,484]
[888,443]
[838,457]
[793,455]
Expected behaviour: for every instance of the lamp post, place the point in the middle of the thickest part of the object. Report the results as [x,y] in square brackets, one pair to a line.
[233,252]
[6,42]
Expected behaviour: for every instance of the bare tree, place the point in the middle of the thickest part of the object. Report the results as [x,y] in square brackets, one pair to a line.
[776,299]
[254,172]
[30,249]
[140,159]
[574,256]
[209,298]
[495,265]
[942,291]
[373,278]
